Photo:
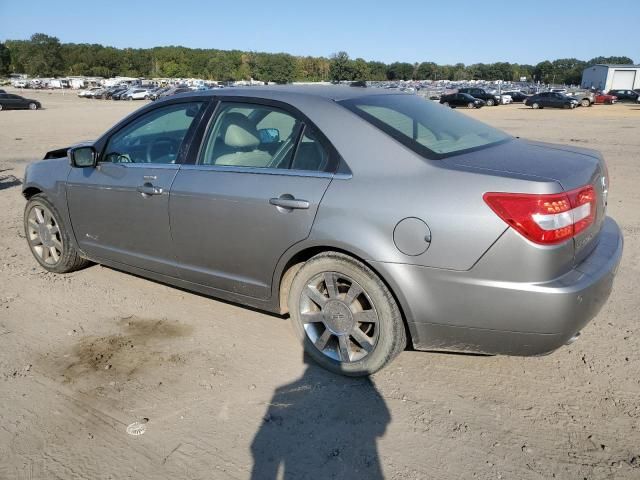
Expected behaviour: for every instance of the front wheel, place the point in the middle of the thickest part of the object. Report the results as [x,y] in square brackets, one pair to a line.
[33,106]
[471,105]
[585,102]
[48,237]
[535,106]
[446,104]
[491,102]
[345,316]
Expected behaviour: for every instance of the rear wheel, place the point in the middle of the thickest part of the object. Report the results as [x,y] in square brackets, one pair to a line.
[0,107]
[535,105]
[345,315]
[446,104]
[48,237]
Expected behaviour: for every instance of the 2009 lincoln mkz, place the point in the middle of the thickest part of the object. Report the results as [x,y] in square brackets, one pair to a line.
[376,220]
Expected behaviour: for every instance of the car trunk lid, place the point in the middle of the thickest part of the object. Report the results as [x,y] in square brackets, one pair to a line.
[571,167]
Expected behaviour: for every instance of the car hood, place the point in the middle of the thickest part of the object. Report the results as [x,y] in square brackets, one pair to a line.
[570,166]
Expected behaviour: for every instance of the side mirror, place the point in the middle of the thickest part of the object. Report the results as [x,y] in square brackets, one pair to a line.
[82,157]
[269,136]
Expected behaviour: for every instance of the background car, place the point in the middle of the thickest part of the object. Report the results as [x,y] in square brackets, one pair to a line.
[454,100]
[603,98]
[490,99]
[505,99]
[625,95]
[9,101]
[516,96]
[137,94]
[334,205]
[551,99]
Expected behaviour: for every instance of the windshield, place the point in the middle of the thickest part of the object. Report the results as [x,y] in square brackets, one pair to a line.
[422,125]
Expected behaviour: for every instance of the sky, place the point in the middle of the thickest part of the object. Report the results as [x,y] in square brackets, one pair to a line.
[444,32]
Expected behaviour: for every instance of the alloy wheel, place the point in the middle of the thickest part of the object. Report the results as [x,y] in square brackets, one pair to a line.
[338,317]
[44,235]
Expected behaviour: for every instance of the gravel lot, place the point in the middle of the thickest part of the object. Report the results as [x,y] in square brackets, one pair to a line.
[222,388]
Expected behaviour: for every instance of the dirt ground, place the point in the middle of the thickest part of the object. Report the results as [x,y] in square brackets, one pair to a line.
[223,391]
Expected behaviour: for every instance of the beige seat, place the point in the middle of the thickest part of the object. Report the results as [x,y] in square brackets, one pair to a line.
[241,141]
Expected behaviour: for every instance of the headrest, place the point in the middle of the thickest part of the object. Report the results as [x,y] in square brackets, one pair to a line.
[239,132]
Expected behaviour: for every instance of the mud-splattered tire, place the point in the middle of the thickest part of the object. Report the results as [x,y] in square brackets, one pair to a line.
[345,316]
[49,237]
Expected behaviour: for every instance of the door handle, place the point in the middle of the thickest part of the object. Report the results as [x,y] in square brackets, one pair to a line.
[149,189]
[288,202]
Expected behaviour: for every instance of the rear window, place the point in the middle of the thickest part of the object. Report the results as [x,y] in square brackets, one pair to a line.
[424,126]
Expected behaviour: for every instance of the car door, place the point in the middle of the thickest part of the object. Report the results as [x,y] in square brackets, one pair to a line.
[251,193]
[120,209]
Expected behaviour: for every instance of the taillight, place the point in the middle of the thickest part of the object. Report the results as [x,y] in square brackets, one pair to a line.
[546,218]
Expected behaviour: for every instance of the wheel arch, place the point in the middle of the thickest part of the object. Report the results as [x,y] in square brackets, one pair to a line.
[30,191]
[289,266]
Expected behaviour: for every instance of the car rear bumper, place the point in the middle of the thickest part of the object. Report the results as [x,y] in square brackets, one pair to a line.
[454,311]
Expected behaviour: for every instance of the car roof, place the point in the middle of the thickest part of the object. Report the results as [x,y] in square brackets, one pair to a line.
[281,92]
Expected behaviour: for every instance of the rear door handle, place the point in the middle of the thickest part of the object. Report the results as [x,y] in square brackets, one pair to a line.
[149,189]
[289,202]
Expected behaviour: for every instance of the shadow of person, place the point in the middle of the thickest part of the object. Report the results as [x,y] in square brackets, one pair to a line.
[321,426]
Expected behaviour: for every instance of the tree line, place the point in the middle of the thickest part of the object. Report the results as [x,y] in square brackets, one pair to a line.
[43,55]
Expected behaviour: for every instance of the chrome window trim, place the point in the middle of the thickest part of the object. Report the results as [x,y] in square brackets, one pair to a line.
[266,171]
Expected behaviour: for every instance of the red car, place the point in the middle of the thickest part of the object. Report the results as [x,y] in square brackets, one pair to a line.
[603,98]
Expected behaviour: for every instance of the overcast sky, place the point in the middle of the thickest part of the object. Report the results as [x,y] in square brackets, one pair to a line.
[409,30]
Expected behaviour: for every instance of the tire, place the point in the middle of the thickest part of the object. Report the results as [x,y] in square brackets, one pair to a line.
[69,258]
[491,102]
[384,337]
[33,106]
[0,107]
[446,104]
[585,102]
[535,105]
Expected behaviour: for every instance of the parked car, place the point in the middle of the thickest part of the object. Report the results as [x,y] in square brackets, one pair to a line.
[174,91]
[321,203]
[603,98]
[551,99]
[137,94]
[88,93]
[585,98]
[516,96]
[625,95]
[9,101]
[491,99]
[461,100]
[120,94]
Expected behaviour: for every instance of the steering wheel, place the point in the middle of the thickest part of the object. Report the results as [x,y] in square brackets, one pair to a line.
[171,147]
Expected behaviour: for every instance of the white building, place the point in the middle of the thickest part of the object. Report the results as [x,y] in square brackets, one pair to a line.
[611,77]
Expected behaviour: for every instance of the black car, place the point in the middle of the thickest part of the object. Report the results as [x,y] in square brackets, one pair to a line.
[551,99]
[625,95]
[516,96]
[454,100]
[490,98]
[9,101]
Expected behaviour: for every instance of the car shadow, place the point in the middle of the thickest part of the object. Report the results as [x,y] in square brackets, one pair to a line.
[321,425]
[8,181]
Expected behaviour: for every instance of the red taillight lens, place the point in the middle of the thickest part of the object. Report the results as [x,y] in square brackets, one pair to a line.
[546,218]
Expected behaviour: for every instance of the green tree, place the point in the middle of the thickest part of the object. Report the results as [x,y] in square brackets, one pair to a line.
[400,71]
[340,67]
[5,60]
[278,67]
[360,70]
[609,60]
[43,56]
